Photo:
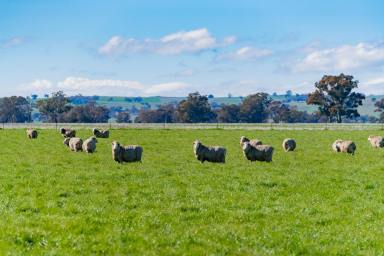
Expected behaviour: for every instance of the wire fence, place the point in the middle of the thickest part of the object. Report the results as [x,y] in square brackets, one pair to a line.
[229,126]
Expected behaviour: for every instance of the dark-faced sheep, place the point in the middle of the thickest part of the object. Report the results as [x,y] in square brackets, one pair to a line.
[100,133]
[74,144]
[213,154]
[253,142]
[258,153]
[130,153]
[376,141]
[289,144]
[344,146]
[89,145]
[31,133]
[67,133]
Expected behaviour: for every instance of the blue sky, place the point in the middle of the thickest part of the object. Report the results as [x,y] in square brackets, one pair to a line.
[170,48]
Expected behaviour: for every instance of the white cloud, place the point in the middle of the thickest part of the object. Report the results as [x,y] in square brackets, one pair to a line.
[40,84]
[109,87]
[229,40]
[165,88]
[12,42]
[246,53]
[81,83]
[176,43]
[375,81]
[343,58]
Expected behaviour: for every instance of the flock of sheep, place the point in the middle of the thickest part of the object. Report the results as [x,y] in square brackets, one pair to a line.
[253,150]
[130,153]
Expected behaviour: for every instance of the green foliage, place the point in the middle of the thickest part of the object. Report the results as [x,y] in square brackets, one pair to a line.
[15,109]
[52,107]
[335,98]
[229,113]
[89,113]
[311,201]
[254,108]
[194,109]
[164,113]
[123,117]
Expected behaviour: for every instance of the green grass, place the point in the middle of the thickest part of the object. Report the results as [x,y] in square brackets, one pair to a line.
[312,201]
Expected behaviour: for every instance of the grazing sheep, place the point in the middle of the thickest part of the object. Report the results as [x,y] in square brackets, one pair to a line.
[31,133]
[130,153]
[66,141]
[253,142]
[214,154]
[74,144]
[344,146]
[89,145]
[289,145]
[376,141]
[67,133]
[100,133]
[258,153]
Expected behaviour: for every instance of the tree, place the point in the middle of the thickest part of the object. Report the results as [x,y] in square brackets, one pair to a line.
[52,107]
[335,98]
[15,109]
[90,113]
[194,109]
[164,113]
[380,108]
[229,114]
[254,108]
[123,117]
[278,111]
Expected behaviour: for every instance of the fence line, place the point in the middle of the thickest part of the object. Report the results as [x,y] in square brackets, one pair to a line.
[231,126]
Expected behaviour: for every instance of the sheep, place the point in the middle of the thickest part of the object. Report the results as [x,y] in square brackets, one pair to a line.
[376,141]
[67,133]
[66,141]
[289,144]
[89,145]
[100,133]
[258,153]
[31,133]
[253,142]
[130,153]
[344,146]
[74,144]
[213,154]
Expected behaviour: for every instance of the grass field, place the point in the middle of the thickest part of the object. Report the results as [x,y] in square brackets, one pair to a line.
[312,201]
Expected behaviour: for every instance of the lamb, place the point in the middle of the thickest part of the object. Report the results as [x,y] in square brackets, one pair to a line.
[289,144]
[100,133]
[258,153]
[344,146]
[130,153]
[67,133]
[253,142]
[376,141]
[74,144]
[31,133]
[89,145]
[213,154]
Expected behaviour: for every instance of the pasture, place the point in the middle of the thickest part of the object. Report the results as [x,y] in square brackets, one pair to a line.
[311,201]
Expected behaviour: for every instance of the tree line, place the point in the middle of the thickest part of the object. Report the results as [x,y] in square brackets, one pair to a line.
[334,97]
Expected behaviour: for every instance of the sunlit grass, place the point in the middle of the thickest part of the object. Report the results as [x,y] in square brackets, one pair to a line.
[311,201]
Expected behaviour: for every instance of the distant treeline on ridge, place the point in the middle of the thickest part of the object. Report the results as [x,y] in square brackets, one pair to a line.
[333,97]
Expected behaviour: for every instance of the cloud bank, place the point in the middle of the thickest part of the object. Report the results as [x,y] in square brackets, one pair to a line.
[108,87]
[192,41]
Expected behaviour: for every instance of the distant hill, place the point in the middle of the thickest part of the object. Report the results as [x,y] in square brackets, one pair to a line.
[134,104]
[153,102]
